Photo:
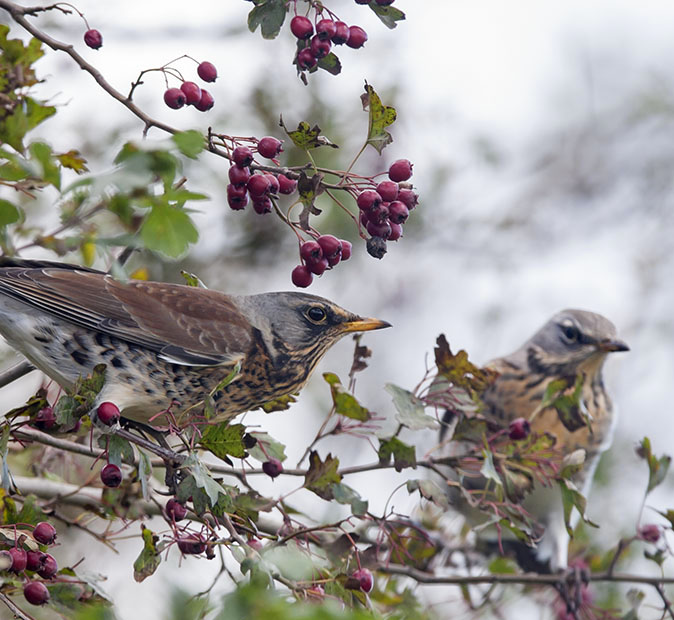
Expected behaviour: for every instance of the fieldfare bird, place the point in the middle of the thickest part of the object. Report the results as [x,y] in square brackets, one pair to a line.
[166,344]
[571,346]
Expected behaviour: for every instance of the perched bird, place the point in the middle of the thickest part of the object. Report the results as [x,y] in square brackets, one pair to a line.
[572,344]
[166,344]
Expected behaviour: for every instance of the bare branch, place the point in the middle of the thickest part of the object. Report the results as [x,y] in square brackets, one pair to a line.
[15,372]
[18,613]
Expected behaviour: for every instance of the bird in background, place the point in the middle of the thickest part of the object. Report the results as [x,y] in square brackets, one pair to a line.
[573,343]
[166,344]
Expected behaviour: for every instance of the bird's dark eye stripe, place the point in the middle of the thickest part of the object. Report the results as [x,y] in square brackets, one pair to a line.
[316,313]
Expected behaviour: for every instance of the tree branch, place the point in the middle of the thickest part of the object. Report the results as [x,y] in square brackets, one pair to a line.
[18,613]
[15,372]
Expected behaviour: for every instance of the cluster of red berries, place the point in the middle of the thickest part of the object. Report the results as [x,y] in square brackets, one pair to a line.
[35,561]
[260,187]
[190,93]
[108,414]
[317,256]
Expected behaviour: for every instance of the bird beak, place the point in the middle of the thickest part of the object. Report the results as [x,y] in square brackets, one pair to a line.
[359,324]
[609,346]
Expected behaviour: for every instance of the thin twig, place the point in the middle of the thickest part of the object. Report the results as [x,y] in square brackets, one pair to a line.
[15,372]
[665,600]
[18,613]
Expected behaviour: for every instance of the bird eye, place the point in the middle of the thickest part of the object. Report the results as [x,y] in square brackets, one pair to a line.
[316,314]
[571,333]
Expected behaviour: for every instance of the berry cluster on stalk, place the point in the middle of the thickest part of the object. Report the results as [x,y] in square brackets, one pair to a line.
[190,93]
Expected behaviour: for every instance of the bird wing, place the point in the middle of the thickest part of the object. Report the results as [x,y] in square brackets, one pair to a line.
[182,324]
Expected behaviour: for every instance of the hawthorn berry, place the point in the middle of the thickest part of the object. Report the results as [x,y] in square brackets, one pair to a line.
[330,245]
[346,249]
[108,413]
[326,29]
[174,98]
[35,560]
[301,27]
[175,510]
[269,147]
[45,419]
[238,175]
[368,199]
[379,229]
[286,185]
[376,247]
[341,35]
[237,197]
[111,475]
[400,170]
[192,544]
[377,213]
[396,231]
[301,276]
[384,2]
[254,543]
[44,533]
[258,185]
[262,205]
[408,197]
[93,38]
[273,184]
[49,568]
[320,48]
[650,533]
[242,156]
[398,212]
[365,579]
[306,59]
[192,92]
[19,559]
[272,467]
[207,71]
[388,190]
[36,593]
[519,428]
[311,250]
[362,1]
[317,266]
[357,37]
[206,102]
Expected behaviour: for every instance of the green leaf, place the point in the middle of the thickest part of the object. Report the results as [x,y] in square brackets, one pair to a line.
[119,450]
[389,15]
[149,559]
[192,280]
[23,118]
[345,402]
[269,15]
[144,474]
[190,143]
[571,498]
[224,440]
[459,370]
[430,490]
[657,467]
[87,389]
[274,449]
[306,137]
[66,411]
[4,449]
[73,160]
[309,188]
[403,455]
[50,171]
[322,475]
[488,469]
[410,410]
[331,64]
[291,562]
[279,404]
[380,117]
[344,494]
[563,395]
[203,479]
[168,230]
[30,511]
[9,214]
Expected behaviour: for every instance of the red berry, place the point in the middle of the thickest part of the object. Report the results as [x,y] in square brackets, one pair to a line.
[108,413]
[320,48]
[384,2]
[242,156]
[388,190]
[258,185]
[301,276]
[396,231]
[378,213]
[400,170]
[175,510]
[409,198]
[650,533]
[192,92]
[238,175]
[326,29]
[174,98]
[45,419]
[519,428]
[111,475]
[19,559]
[49,568]
[262,205]
[192,544]
[301,27]
[273,468]
[207,71]
[341,35]
[311,250]
[273,184]
[36,593]
[365,579]
[44,533]
[398,212]
[93,39]
[357,37]
[306,59]
[368,199]
[237,197]
[254,543]
[379,229]
[330,245]
[206,102]
[286,185]
[269,147]
[35,560]
[346,249]
[317,266]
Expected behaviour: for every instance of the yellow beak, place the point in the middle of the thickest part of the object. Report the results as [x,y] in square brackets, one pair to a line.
[364,325]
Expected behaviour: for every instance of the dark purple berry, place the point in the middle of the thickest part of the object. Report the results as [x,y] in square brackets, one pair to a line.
[388,190]
[45,419]
[192,92]
[237,197]
[330,245]
[258,185]
[174,98]
[175,510]
[286,185]
[206,102]
[376,247]
[301,27]
[35,560]
[192,544]
[398,212]
[238,175]
[311,250]
[108,413]
[262,205]
[379,229]
[378,213]
[273,468]
[242,156]
[93,39]
[384,2]
[368,199]
[396,231]
[36,593]
[518,429]
[111,475]
[273,184]
[650,533]
[207,71]
[301,276]
[49,568]
[362,1]
[409,198]
[269,147]
[364,578]
[44,533]
[357,37]
[317,266]
[341,35]
[19,559]
[400,170]
[320,48]
[346,249]
[326,29]
[306,59]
